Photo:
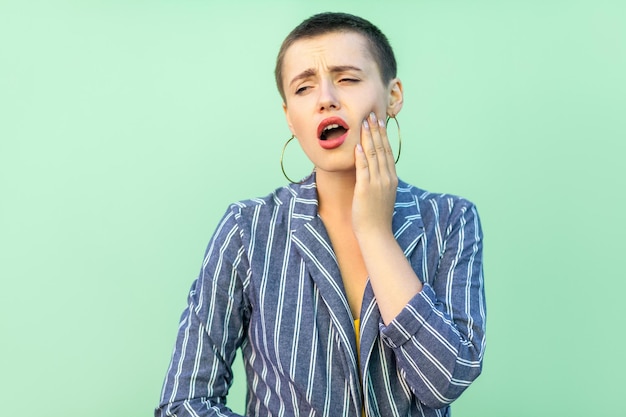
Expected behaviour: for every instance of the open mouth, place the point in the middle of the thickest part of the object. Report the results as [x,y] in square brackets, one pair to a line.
[332,131]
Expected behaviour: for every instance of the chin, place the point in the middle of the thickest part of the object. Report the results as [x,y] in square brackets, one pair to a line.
[347,167]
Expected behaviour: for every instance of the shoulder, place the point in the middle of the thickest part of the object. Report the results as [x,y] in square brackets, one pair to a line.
[443,207]
[277,199]
[428,197]
[284,207]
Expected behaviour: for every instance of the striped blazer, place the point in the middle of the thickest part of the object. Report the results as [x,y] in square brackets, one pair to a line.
[270,285]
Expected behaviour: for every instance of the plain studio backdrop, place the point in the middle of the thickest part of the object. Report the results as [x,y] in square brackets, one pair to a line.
[127,127]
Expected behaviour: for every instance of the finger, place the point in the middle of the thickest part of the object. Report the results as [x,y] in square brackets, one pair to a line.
[384,154]
[362,167]
[377,140]
[368,148]
[390,160]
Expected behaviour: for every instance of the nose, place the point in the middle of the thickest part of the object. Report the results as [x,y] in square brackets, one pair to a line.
[328,98]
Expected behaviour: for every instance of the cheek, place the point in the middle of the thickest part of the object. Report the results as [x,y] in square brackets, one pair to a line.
[309,148]
[300,125]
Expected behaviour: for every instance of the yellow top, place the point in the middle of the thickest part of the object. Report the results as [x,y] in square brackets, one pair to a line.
[357,323]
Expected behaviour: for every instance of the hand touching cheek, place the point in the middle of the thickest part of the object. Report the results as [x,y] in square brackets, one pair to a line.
[376,181]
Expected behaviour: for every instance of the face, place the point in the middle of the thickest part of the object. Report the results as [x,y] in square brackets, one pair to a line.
[332,84]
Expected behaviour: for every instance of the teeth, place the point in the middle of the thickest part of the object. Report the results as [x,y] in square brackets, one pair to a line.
[334,126]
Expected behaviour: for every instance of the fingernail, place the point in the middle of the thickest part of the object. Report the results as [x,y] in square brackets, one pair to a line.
[359,147]
[373,117]
[366,125]
[381,123]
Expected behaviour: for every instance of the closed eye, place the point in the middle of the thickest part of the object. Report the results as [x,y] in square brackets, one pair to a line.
[302,89]
[349,80]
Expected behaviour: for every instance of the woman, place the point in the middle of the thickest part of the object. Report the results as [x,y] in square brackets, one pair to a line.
[351,292]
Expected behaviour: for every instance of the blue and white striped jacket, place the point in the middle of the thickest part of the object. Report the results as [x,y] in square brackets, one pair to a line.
[270,284]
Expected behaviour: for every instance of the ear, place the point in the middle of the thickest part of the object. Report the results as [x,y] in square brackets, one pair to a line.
[286,111]
[396,97]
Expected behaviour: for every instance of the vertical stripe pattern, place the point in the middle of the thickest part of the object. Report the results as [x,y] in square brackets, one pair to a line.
[270,286]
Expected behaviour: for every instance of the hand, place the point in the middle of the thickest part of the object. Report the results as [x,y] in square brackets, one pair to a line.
[376,181]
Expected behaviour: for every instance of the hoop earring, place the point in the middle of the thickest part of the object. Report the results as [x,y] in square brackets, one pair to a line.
[282,166]
[399,136]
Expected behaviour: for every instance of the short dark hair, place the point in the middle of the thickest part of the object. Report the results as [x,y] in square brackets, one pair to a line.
[323,23]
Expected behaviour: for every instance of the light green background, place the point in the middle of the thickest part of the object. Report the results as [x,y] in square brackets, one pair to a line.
[126,127]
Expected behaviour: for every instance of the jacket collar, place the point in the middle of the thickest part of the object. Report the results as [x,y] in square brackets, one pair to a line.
[407,221]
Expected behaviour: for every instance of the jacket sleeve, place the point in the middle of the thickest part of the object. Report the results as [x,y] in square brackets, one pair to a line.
[210,331]
[439,337]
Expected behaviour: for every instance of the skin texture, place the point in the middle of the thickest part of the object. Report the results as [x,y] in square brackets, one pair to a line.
[335,75]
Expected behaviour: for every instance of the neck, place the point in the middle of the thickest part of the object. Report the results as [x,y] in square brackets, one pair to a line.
[335,191]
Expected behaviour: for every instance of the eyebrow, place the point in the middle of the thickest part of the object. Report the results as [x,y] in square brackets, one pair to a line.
[334,69]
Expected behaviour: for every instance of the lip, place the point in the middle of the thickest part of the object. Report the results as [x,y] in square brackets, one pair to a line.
[336,142]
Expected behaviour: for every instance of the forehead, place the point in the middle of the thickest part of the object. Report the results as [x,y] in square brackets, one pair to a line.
[330,49]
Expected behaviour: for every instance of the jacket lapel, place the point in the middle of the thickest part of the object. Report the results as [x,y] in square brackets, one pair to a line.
[313,244]
[407,223]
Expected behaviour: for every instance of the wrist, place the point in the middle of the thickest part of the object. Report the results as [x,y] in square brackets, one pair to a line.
[374,237]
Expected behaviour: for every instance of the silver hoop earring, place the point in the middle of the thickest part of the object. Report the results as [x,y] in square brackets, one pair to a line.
[399,136]
[282,166]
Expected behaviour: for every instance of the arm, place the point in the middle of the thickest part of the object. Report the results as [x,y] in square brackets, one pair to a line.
[210,331]
[372,211]
[439,336]
[436,331]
